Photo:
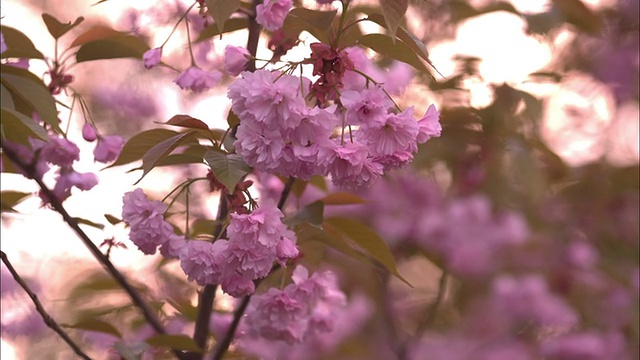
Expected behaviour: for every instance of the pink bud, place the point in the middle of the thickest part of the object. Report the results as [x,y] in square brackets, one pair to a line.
[235,59]
[152,57]
[88,132]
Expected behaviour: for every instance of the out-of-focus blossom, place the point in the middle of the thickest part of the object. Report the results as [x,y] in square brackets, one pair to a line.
[236,59]
[152,57]
[271,13]
[57,151]
[108,148]
[68,179]
[88,132]
[429,125]
[146,219]
[3,45]
[197,80]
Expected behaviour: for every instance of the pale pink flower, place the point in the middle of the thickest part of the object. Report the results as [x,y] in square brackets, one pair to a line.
[152,57]
[197,80]
[429,125]
[278,316]
[146,220]
[174,245]
[396,133]
[342,161]
[67,180]
[3,45]
[259,145]
[58,151]
[198,261]
[108,148]
[88,132]
[271,13]
[236,59]
[368,107]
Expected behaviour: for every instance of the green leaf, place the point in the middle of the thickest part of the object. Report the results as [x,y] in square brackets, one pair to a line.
[18,128]
[56,28]
[101,42]
[131,351]
[229,169]
[5,98]
[313,21]
[232,119]
[393,11]
[398,50]
[112,219]
[185,308]
[202,227]
[329,237]
[312,214]
[407,37]
[176,342]
[161,150]
[368,240]
[9,199]
[140,144]
[33,92]
[342,198]
[89,223]
[221,11]
[93,324]
[229,26]
[18,45]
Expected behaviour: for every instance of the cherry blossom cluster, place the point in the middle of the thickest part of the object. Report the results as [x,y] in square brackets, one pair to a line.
[354,143]
[255,242]
[301,310]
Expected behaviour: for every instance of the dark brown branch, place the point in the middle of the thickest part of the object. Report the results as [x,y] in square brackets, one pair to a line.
[56,204]
[45,316]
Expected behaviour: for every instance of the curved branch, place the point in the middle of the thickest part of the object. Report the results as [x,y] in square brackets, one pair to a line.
[45,316]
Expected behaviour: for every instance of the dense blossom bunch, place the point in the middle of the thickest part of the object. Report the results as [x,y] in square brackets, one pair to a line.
[301,310]
[279,133]
[271,13]
[149,229]
[256,241]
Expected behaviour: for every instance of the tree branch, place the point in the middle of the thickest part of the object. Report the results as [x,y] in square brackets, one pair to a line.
[45,316]
[56,204]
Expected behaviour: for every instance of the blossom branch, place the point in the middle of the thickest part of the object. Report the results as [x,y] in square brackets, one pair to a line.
[56,204]
[45,316]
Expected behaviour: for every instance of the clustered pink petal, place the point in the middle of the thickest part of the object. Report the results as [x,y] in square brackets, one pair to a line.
[108,148]
[149,229]
[303,309]
[197,80]
[58,151]
[69,178]
[236,59]
[152,57]
[271,13]
[368,107]
[198,260]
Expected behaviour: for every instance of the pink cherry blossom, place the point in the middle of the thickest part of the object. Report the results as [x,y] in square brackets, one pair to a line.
[429,125]
[152,57]
[395,133]
[198,261]
[146,220]
[108,148]
[68,179]
[58,151]
[271,13]
[236,59]
[197,80]
[88,132]
[368,107]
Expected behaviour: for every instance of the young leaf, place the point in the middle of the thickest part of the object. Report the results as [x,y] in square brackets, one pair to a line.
[313,21]
[393,11]
[408,38]
[397,50]
[18,128]
[5,98]
[221,11]
[112,219]
[18,45]
[187,122]
[176,342]
[229,26]
[56,28]
[161,150]
[342,198]
[368,240]
[330,237]
[93,324]
[89,223]
[312,214]
[227,168]
[113,46]
[140,144]
[33,92]
[9,199]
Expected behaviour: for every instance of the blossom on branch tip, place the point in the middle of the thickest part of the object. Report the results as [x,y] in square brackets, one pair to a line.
[271,13]
[152,57]
[108,148]
[236,59]
[197,80]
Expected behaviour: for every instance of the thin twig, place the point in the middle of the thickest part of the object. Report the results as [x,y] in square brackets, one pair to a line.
[45,316]
[55,203]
